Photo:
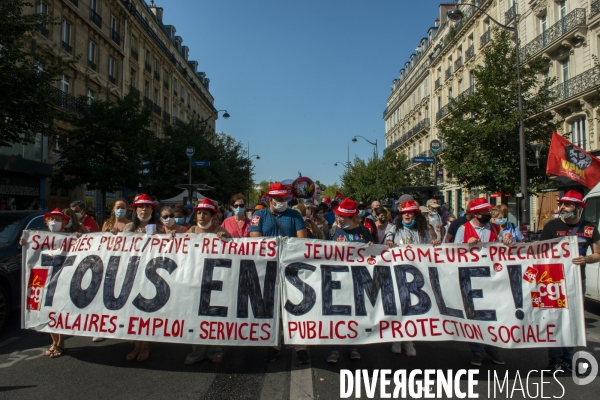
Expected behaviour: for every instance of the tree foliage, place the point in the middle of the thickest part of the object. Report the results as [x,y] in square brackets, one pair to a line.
[377,178]
[229,171]
[107,147]
[26,75]
[481,133]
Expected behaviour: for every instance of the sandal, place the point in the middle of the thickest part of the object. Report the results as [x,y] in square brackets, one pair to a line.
[144,354]
[51,350]
[58,351]
[133,355]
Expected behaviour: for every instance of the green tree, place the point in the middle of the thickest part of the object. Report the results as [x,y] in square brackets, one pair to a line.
[26,75]
[481,134]
[107,147]
[377,178]
[330,191]
[263,186]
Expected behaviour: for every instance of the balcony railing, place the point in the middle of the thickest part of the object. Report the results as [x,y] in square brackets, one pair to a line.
[166,116]
[594,8]
[573,19]
[485,38]
[510,14]
[136,93]
[96,18]
[442,112]
[66,47]
[468,91]
[177,121]
[411,132]
[470,53]
[583,82]
[75,2]
[438,82]
[114,35]
[147,102]
[148,66]
[156,76]
[92,64]
[112,79]
[66,101]
[166,85]
[157,109]
[449,72]
[458,63]
[134,54]
[43,31]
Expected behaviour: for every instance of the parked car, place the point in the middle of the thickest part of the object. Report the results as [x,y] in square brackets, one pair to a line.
[12,224]
[592,271]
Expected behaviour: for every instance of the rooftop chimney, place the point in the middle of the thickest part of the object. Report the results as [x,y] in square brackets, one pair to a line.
[157,11]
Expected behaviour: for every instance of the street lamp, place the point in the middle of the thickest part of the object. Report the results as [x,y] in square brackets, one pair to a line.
[225,115]
[343,164]
[455,15]
[354,139]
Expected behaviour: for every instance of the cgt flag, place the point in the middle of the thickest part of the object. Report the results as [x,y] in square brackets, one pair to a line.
[568,160]
[339,196]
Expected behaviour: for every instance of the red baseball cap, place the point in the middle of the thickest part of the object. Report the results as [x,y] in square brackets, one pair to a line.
[479,204]
[143,199]
[277,189]
[206,204]
[58,213]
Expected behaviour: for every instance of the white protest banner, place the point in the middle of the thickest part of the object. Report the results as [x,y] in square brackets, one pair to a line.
[525,295]
[195,288]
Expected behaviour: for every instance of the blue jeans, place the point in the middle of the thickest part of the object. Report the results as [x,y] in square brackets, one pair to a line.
[479,349]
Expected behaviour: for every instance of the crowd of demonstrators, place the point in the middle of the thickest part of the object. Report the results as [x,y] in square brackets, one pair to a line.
[344,221]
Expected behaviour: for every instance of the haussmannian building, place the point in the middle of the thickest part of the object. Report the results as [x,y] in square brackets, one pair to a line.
[565,32]
[124,46]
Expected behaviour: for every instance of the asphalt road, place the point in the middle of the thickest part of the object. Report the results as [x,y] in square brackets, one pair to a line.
[99,370]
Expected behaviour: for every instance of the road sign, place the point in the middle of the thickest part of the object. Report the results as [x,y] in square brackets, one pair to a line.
[435,146]
[189,151]
[430,160]
[200,163]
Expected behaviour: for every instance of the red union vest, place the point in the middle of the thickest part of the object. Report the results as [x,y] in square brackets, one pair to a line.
[471,233]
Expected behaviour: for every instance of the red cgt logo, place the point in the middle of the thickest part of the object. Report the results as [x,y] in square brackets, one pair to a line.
[35,288]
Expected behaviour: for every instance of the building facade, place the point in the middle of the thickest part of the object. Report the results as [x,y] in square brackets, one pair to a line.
[565,32]
[123,46]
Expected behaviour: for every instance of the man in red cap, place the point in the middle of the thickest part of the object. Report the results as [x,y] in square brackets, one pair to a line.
[570,223]
[481,230]
[279,220]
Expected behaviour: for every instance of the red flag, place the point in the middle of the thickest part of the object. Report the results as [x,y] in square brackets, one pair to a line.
[568,160]
[339,196]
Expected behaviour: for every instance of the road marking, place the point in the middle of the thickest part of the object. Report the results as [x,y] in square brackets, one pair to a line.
[301,385]
[7,341]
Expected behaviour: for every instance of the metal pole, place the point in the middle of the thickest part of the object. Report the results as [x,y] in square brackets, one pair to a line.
[522,153]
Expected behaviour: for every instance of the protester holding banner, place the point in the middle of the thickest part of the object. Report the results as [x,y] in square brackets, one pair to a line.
[279,220]
[118,218]
[143,221]
[84,220]
[570,223]
[169,225]
[56,221]
[499,216]
[348,229]
[73,224]
[410,228]
[481,230]
[239,223]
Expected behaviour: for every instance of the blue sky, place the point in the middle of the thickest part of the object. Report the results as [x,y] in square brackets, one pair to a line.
[301,78]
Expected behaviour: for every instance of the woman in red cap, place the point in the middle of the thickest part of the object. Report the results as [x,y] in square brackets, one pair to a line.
[348,229]
[410,228]
[143,215]
[56,221]
[205,212]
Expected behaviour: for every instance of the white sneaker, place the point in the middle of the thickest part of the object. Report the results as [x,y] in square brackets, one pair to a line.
[98,339]
[397,347]
[409,349]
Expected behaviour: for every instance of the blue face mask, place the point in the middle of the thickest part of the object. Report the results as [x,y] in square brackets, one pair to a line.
[347,226]
[120,213]
[369,211]
[461,214]
[412,223]
[239,210]
[361,213]
[501,221]
[179,221]
[433,213]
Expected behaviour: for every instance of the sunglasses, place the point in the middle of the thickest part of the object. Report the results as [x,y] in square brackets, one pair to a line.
[167,216]
[239,205]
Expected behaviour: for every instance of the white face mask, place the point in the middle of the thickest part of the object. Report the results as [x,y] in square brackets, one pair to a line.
[144,219]
[205,226]
[54,226]
[79,215]
[280,207]
[169,222]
